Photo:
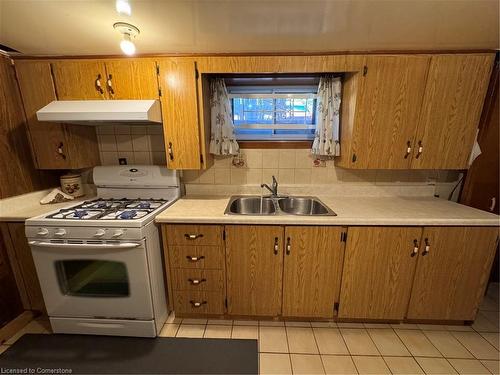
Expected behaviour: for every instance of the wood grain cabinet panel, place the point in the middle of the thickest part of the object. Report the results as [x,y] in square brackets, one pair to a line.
[451,108]
[131,79]
[20,254]
[451,277]
[254,268]
[181,126]
[378,272]
[80,79]
[206,257]
[54,146]
[386,119]
[194,303]
[312,271]
[198,279]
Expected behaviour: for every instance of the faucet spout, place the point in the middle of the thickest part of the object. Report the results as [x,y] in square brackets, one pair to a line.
[273,189]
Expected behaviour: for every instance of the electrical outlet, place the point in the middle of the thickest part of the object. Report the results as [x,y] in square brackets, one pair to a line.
[122,161]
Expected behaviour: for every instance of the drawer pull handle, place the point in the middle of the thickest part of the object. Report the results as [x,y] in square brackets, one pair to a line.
[194,259]
[197,304]
[427,247]
[415,248]
[196,281]
[193,236]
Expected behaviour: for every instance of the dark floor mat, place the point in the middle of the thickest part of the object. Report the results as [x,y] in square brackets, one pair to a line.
[85,354]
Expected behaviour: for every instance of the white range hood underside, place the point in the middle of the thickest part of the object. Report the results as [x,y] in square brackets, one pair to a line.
[95,112]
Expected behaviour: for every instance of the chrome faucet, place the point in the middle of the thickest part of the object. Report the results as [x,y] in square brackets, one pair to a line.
[273,189]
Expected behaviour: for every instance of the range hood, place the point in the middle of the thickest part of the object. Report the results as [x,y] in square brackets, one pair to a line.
[96,112]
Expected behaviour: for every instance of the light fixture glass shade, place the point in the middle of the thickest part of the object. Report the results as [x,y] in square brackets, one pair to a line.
[127,46]
[123,7]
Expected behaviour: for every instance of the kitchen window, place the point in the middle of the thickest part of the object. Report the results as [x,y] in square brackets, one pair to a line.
[273,108]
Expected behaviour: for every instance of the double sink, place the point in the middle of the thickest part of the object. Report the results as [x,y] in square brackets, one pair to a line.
[268,205]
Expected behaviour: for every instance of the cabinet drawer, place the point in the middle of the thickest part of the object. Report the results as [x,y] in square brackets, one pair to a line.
[197,280]
[188,302]
[196,257]
[181,234]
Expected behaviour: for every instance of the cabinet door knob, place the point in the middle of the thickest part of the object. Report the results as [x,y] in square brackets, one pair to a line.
[427,247]
[98,85]
[197,304]
[192,236]
[420,149]
[408,149]
[109,84]
[196,281]
[276,246]
[60,150]
[194,259]
[288,246]
[170,151]
[415,248]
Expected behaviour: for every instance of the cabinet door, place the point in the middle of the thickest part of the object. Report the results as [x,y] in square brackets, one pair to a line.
[180,113]
[79,79]
[20,254]
[454,95]
[451,277]
[378,271]
[387,111]
[37,90]
[131,79]
[312,271]
[254,262]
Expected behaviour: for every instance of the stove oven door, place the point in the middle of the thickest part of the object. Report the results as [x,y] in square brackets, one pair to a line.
[104,280]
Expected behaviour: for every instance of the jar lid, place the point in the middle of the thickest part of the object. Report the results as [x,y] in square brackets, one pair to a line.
[70,176]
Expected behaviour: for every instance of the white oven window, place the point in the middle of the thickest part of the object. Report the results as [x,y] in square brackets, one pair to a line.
[93,278]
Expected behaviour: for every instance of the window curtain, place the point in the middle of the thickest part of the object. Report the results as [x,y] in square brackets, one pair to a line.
[222,138]
[326,139]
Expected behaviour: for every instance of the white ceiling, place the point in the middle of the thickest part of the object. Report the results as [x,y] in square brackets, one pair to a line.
[75,27]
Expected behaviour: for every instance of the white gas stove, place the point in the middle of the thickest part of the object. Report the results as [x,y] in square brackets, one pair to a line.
[99,262]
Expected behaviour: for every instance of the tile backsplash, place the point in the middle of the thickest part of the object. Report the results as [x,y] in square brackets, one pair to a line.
[138,144]
[296,166]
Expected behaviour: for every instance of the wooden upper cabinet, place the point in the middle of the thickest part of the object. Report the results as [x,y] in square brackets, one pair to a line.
[80,79]
[387,111]
[254,269]
[452,272]
[312,271]
[451,108]
[181,126]
[378,272]
[131,79]
[53,145]
[37,90]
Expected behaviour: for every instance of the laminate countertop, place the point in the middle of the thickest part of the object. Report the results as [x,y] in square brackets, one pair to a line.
[22,207]
[405,211]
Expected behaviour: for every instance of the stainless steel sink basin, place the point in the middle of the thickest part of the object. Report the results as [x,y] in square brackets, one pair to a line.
[251,206]
[304,206]
[256,205]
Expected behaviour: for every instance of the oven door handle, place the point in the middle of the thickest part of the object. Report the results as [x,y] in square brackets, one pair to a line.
[118,246]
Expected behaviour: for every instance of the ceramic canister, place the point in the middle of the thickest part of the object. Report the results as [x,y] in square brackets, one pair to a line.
[71,184]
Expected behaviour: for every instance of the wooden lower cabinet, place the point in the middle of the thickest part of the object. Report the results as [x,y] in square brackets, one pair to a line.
[312,271]
[22,264]
[452,272]
[378,272]
[254,262]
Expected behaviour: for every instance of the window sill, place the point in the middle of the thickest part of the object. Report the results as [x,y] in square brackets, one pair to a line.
[275,144]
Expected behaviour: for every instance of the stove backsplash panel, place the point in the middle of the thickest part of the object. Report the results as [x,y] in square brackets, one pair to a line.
[138,144]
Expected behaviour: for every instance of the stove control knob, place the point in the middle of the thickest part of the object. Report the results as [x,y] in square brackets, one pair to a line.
[42,232]
[118,233]
[99,233]
[60,232]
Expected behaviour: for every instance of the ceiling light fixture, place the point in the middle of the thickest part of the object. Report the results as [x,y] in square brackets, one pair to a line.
[129,32]
[123,7]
